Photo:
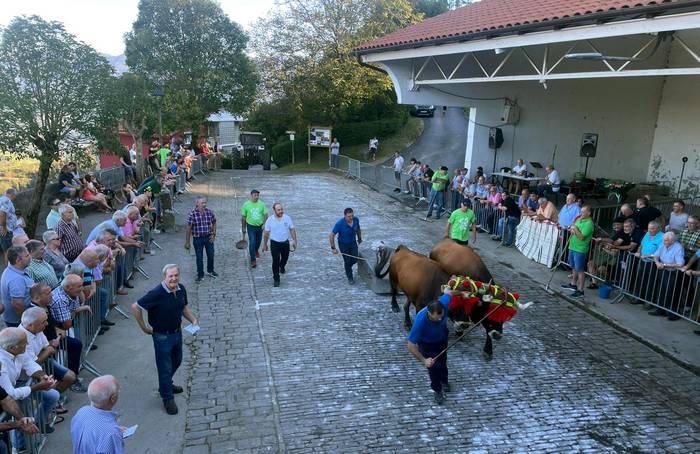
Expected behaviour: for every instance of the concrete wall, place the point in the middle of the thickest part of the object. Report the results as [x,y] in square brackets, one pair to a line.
[678,128]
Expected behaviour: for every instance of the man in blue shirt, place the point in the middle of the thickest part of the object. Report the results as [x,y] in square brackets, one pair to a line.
[94,427]
[428,337]
[349,237]
[15,284]
[569,211]
[642,282]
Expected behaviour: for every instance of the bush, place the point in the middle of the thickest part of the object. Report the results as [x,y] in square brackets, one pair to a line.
[282,151]
[361,132]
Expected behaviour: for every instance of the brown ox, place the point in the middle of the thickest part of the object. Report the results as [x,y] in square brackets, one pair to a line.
[462,260]
[418,276]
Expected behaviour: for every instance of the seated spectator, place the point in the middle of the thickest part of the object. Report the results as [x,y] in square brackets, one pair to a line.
[71,239]
[67,183]
[546,211]
[41,351]
[38,269]
[520,169]
[678,218]
[531,205]
[41,298]
[91,194]
[24,424]
[644,213]
[116,223]
[478,189]
[668,258]
[626,211]
[13,361]
[569,211]
[15,284]
[690,236]
[52,253]
[551,184]
[53,217]
[512,217]
[94,428]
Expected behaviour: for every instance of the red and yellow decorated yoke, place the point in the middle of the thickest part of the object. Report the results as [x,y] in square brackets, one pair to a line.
[468,293]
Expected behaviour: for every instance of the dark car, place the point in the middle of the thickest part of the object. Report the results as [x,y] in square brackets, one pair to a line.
[423,111]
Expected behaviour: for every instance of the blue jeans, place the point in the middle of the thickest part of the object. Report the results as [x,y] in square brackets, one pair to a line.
[200,244]
[48,400]
[512,223]
[438,373]
[436,198]
[168,348]
[254,239]
[351,249]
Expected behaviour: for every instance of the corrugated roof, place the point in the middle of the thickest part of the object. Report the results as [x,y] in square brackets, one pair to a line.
[495,15]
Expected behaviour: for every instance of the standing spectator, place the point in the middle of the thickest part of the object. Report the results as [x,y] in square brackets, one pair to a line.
[479,189]
[461,222]
[166,304]
[678,218]
[128,166]
[13,361]
[65,306]
[547,211]
[153,158]
[71,239]
[413,185]
[581,235]
[52,253]
[8,220]
[511,217]
[569,211]
[373,144]
[455,186]
[349,237]
[201,225]
[41,297]
[279,229]
[133,155]
[53,217]
[644,214]
[89,260]
[413,166]
[398,166]
[690,236]
[163,153]
[38,269]
[253,216]
[531,204]
[490,204]
[94,427]
[667,259]
[642,281]
[437,192]
[15,284]
[551,184]
[335,152]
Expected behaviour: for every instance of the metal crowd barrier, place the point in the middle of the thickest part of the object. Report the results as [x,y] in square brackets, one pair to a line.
[111,177]
[196,166]
[30,407]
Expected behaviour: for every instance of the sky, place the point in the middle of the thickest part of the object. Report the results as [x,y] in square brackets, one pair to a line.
[102,23]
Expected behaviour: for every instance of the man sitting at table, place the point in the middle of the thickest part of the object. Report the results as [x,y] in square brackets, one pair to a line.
[520,170]
[551,183]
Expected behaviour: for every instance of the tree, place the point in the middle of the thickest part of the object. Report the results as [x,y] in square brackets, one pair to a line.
[196,54]
[431,8]
[51,96]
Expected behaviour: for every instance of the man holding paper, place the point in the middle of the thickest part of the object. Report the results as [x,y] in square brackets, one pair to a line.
[94,427]
[166,304]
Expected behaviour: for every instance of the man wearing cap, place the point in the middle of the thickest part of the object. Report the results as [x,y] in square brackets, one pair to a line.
[253,216]
[461,223]
[279,229]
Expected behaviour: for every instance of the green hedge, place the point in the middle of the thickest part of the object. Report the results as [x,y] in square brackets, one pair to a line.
[282,151]
[361,132]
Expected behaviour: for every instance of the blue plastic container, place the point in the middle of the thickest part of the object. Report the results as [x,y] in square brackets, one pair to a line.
[604,291]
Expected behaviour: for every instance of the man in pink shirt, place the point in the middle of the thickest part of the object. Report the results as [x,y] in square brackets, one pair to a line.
[490,204]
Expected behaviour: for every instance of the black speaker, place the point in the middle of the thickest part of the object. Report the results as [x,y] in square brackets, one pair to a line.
[589,144]
[495,138]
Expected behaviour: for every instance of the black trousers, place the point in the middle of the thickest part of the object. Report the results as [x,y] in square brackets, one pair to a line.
[437,373]
[280,255]
[350,249]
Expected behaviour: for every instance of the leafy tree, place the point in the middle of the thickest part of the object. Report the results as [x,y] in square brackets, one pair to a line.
[431,8]
[51,96]
[196,54]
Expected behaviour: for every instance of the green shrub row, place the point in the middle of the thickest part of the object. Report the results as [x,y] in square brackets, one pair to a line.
[361,132]
[282,151]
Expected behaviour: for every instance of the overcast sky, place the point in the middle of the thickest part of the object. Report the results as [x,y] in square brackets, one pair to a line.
[102,23]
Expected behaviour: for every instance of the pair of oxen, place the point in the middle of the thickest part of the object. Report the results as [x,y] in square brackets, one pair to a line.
[421,279]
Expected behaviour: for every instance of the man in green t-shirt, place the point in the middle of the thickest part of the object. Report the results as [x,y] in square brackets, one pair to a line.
[253,216]
[579,242]
[459,224]
[437,192]
[163,154]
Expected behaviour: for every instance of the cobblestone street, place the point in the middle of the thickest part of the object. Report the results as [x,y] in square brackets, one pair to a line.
[317,365]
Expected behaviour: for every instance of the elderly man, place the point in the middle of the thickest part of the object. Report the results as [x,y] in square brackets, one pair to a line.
[108,238]
[13,361]
[668,258]
[38,269]
[551,184]
[15,284]
[41,298]
[166,304]
[71,239]
[40,350]
[546,211]
[581,234]
[642,282]
[690,236]
[201,225]
[569,212]
[8,219]
[89,259]
[65,304]
[22,423]
[94,427]
[279,229]
[52,253]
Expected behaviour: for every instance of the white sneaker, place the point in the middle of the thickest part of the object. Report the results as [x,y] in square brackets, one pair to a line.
[155,231]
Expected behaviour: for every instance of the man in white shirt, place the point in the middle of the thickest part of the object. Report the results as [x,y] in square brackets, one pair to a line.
[398,166]
[39,350]
[13,344]
[373,143]
[520,169]
[279,229]
[551,183]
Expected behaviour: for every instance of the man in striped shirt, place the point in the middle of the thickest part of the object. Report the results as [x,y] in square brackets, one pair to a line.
[201,225]
[94,427]
[38,269]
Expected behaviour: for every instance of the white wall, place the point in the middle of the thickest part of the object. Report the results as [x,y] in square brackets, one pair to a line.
[678,129]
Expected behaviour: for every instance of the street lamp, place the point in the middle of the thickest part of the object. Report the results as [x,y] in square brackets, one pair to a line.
[158,93]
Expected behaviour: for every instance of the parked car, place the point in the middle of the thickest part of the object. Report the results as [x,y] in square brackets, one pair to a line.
[251,150]
[423,111]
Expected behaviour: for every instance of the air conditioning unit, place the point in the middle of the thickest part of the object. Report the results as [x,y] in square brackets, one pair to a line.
[511,114]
